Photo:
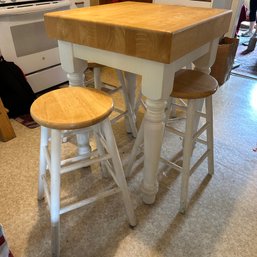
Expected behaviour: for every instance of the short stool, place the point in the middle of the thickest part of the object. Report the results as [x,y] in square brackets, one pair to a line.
[195,87]
[76,109]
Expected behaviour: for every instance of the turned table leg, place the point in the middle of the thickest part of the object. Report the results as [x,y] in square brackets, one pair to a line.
[153,135]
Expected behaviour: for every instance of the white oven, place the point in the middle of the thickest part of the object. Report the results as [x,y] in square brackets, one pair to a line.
[23,40]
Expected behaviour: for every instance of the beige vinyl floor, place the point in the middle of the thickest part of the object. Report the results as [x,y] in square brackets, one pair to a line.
[221,220]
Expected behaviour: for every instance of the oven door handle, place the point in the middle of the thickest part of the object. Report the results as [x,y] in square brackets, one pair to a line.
[34,8]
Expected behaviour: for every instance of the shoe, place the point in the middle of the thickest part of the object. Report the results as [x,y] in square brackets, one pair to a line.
[247,34]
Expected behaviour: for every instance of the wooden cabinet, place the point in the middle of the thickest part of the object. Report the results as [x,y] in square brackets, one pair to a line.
[6,129]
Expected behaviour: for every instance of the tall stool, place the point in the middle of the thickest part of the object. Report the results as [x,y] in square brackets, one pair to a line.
[129,112]
[74,109]
[196,87]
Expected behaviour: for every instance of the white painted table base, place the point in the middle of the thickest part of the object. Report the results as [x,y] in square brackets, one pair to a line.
[157,83]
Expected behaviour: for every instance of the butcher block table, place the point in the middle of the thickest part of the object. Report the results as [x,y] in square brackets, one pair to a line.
[152,40]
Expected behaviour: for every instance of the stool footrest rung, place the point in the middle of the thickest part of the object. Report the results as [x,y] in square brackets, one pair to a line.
[115,109]
[202,114]
[175,131]
[119,116]
[179,168]
[110,88]
[76,162]
[77,158]
[172,164]
[200,131]
[196,135]
[200,160]
[110,170]
[180,107]
[201,141]
[82,202]
[89,200]
[84,163]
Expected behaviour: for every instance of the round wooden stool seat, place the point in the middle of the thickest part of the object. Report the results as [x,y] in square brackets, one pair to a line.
[192,84]
[71,108]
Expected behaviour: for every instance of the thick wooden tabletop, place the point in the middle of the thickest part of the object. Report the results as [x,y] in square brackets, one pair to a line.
[156,32]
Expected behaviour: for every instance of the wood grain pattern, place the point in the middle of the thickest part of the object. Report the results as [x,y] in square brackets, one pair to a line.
[156,32]
[6,130]
[71,108]
[192,84]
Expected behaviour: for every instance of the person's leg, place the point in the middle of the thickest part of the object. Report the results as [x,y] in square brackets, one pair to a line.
[252,19]
[252,15]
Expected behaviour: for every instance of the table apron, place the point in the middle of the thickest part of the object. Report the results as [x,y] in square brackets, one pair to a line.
[153,73]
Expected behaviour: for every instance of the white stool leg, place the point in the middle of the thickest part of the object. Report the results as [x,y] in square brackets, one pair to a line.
[98,84]
[111,144]
[131,115]
[139,102]
[187,151]
[173,112]
[131,82]
[42,161]
[139,140]
[209,119]
[198,108]
[97,77]
[101,152]
[55,190]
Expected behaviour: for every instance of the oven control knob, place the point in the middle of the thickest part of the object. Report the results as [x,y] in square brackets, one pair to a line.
[2,1]
[13,1]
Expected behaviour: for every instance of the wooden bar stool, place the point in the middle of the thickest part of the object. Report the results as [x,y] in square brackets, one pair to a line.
[196,87]
[76,109]
[129,112]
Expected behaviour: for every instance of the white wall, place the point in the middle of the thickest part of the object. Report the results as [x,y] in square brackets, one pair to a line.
[222,4]
[247,2]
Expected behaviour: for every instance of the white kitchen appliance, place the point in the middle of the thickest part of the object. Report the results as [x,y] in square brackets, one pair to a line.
[23,40]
